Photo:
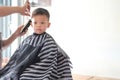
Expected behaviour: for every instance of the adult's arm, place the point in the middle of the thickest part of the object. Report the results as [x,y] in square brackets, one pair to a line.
[23,10]
[7,42]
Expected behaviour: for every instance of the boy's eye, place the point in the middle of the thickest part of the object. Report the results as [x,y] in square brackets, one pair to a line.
[39,22]
[42,22]
[35,22]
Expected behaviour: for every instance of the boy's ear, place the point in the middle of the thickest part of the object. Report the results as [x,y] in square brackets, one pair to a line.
[49,25]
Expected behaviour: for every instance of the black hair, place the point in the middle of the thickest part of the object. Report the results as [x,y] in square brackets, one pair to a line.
[41,11]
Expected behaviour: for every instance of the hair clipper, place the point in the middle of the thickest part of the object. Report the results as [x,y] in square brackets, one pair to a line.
[26,26]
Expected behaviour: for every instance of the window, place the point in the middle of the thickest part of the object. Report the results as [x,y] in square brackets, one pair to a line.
[4,23]
[7,25]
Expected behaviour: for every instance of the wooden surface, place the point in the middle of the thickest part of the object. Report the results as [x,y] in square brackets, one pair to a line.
[84,77]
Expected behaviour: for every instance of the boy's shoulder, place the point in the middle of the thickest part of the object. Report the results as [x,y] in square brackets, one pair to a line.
[49,36]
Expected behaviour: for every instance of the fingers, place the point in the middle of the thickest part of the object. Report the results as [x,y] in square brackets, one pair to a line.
[26,8]
[20,28]
[23,33]
[27,14]
[27,5]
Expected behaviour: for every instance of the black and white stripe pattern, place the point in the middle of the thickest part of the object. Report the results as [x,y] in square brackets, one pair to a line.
[51,62]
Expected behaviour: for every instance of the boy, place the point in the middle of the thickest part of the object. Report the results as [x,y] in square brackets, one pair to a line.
[38,57]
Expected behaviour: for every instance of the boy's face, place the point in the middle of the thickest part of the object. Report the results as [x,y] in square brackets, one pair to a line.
[40,23]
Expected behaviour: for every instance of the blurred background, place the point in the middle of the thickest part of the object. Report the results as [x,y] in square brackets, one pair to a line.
[88,31]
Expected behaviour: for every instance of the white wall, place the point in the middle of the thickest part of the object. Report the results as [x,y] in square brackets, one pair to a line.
[88,30]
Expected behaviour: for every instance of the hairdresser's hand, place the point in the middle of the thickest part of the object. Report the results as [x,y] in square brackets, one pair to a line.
[18,33]
[25,10]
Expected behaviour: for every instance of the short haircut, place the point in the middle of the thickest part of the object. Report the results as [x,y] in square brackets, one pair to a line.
[41,11]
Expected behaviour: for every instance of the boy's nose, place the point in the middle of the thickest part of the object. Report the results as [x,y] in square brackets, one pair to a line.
[38,25]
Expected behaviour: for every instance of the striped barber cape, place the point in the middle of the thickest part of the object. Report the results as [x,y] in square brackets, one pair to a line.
[38,58]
